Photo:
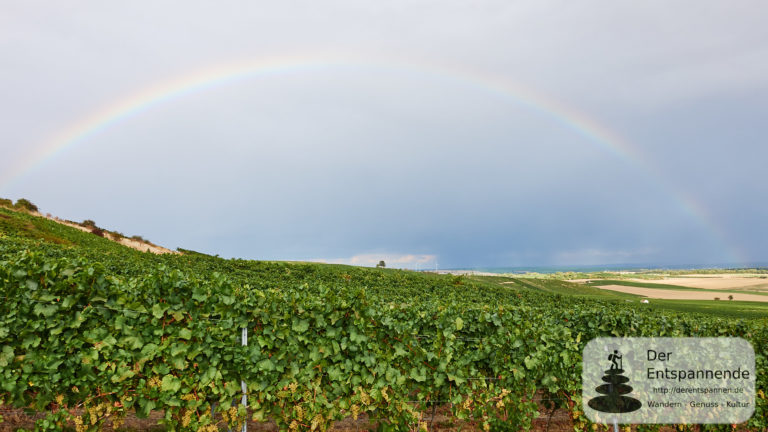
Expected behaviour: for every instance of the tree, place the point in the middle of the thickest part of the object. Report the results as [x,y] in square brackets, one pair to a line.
[25,204]
[381,264]
[89,223]
[730,297]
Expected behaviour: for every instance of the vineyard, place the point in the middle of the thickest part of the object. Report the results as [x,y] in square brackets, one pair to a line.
[91,331]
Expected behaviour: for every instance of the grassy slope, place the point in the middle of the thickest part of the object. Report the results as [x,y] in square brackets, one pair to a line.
[568,288]
[726,308]
[27,226]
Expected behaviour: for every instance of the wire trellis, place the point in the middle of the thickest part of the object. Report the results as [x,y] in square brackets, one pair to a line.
[243,340]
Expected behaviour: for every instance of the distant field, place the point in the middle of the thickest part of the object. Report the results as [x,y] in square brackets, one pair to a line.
[754,290]
[717,282]
[686,295]
[747,303]
[696,292]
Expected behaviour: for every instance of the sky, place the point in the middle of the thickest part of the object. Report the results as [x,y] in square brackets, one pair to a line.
[450,134]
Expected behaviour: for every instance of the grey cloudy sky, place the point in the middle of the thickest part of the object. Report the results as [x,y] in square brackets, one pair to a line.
[393,137]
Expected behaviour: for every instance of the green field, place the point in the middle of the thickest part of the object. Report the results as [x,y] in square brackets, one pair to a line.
[723,308]
[91,331]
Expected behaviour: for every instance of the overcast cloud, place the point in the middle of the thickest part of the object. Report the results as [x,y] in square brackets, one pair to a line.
[395,143]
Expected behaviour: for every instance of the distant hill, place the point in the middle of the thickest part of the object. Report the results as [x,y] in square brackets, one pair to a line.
[23,218]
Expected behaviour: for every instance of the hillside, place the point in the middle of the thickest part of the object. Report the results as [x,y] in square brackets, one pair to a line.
[92,332]
[12,220]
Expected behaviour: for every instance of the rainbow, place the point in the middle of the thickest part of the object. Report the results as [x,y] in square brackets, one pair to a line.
[199,81]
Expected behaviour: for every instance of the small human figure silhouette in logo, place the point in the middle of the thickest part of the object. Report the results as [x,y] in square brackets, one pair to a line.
[615,360]
[613,399]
